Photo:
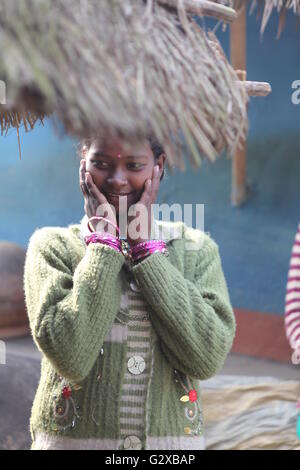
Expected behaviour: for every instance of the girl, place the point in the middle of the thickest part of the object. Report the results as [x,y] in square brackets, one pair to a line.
[127,327]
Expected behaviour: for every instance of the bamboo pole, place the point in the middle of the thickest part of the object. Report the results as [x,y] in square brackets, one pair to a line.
[238,61]
[257,88]
[204,8]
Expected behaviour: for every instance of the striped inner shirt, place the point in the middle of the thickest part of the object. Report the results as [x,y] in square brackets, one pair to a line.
[292,298]
[134,390]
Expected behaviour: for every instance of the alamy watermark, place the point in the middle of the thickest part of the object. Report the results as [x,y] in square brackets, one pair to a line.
[2,92]
[2,352]
[135,221]
[296,94]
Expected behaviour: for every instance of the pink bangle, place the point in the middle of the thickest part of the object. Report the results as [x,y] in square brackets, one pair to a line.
[96,217]
[148,244]
[134,253]
[105,239]
[145,249]
[149,252]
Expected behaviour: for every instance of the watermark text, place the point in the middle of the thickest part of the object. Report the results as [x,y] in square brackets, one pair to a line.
[296,94]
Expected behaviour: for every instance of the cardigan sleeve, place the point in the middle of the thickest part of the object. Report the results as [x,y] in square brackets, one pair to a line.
[194,321]
[292,298]
[70,313]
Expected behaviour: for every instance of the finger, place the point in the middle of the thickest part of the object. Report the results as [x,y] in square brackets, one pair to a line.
[106,209]
[155,183]
[93,190]
[82,182]
[90,202]
[145,199]
[147,191]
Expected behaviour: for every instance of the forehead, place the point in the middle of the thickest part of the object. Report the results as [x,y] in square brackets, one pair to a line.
[114,147]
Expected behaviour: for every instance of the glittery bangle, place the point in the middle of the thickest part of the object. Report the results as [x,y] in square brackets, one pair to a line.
[147,253]
[144,249]
[148,244]
[105,239]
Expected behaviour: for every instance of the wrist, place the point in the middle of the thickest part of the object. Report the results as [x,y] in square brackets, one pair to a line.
[138,241]
[144,249]
[105,239]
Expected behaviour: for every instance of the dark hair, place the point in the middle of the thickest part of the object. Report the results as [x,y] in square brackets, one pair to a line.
[156,148]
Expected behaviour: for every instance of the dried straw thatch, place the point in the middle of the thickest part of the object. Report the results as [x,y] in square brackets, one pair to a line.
[266,7]
[15,118]
[122,68]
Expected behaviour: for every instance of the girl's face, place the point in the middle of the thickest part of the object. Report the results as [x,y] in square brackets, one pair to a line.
[118,172]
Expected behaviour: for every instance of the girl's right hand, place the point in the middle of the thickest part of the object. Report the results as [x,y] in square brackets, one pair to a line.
[96,203]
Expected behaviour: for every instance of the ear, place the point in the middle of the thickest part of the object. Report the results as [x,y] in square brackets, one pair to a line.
[161,163]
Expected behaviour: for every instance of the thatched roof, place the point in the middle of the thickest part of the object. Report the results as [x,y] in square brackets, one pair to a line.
[265,9]
[15,118]
[121,67]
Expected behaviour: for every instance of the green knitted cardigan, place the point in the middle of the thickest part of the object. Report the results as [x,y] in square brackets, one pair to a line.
[72,294]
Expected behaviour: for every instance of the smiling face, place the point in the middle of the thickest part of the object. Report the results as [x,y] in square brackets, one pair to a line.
[117,171]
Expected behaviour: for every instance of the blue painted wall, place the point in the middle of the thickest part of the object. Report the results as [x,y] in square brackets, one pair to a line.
[255,240]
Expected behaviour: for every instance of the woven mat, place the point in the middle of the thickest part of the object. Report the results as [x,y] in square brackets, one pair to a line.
[250,413]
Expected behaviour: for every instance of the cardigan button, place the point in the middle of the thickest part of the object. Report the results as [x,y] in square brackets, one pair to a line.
[132,442]
[134,287]
[136,365]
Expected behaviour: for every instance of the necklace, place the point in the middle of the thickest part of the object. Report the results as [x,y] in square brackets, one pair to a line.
[125,247]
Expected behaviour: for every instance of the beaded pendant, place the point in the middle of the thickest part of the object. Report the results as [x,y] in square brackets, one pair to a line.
[125,248]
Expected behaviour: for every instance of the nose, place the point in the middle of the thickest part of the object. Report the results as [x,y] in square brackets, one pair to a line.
[117,181]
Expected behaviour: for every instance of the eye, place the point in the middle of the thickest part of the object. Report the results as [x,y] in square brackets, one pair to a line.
[100,164]
[135,166]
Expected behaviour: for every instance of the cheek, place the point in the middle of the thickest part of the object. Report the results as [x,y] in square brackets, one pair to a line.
[98,176]
[138,180]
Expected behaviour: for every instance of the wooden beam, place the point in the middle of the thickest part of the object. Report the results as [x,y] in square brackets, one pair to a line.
[238,61]
[204,8]
[257,88]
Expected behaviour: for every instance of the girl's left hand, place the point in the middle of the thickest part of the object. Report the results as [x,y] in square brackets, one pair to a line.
[147,199]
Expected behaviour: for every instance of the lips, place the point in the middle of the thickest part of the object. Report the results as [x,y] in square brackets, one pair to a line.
[114,195]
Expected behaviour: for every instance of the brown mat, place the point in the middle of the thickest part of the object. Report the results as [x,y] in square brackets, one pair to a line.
[250,413]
